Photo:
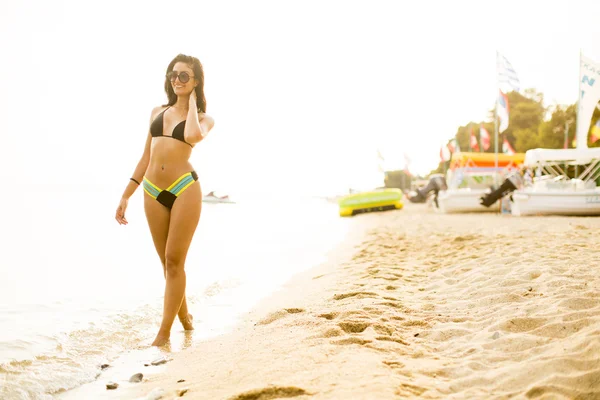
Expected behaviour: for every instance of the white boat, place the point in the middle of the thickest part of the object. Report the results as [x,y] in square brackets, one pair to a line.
[462,200]
[566,180]
[553,192]
[470,177]
[213,198]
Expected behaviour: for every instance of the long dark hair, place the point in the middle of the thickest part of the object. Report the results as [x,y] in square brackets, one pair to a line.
[195,65]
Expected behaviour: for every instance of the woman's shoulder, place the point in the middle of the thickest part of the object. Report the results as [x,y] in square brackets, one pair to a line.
[157,110]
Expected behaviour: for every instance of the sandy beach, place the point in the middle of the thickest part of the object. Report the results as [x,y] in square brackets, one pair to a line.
[413,305]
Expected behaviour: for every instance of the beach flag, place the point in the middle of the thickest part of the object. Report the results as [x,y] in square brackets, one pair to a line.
[474,142]
[453,146]
[484,137]
[380,162]
[502,108]
[507,148]
[407,162]
[589,94]
[595,131]
[444,153]
[507,76]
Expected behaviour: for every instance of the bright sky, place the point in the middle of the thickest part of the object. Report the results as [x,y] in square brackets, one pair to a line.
[303,92]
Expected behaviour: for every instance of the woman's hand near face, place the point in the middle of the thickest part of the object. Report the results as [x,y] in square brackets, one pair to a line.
[193,105]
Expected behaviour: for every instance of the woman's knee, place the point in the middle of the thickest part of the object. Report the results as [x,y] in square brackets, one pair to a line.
[173,264]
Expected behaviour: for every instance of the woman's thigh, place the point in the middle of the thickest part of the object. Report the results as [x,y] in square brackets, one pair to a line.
[158,217]
[184,219]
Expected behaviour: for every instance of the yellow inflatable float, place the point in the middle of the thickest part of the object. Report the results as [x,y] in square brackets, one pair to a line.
[373,200]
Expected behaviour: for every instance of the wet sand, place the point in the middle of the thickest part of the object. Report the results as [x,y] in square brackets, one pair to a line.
[416,304]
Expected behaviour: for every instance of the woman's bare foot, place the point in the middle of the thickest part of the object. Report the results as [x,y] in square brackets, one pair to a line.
[187,322]
[161,339]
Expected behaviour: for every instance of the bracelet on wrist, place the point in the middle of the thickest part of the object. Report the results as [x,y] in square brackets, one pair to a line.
[131,179]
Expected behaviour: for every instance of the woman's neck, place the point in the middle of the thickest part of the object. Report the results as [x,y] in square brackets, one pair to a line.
[182,103]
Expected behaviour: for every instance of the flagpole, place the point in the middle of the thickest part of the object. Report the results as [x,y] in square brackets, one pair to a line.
[578,98]
[470,134]
[577,124]
[496,126]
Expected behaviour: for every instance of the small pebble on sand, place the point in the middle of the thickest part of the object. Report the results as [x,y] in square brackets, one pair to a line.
[156,394]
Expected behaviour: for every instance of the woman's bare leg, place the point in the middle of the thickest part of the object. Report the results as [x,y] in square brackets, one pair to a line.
[158,217]
[185,215]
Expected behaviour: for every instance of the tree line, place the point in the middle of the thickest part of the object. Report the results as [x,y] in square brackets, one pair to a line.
[531,125]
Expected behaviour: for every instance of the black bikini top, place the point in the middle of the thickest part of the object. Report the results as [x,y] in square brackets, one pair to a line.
[156,128]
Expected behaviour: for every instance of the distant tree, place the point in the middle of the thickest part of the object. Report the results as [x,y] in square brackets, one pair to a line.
[527,128]
[397,179]
[551,133]
[463,135]
[526,113]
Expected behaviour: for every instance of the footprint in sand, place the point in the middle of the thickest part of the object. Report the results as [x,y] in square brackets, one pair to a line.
[464,238]
[416,322]
[293,310]
[275,392]
[394,364]
[562,329]
[352,340]
[329,316]
[391,304]
[517,325]
[410,390]
[578,227]
[392,339]
[383,329]
[354,294]
[278,315]
[360,314]
[579,303]
[330,333]
[373,311]
[353,326]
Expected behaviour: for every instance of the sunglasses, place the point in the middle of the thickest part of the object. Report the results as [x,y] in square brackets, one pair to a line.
[184,77]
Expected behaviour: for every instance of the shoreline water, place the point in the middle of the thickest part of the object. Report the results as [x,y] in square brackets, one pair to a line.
[97,293]
[427,305]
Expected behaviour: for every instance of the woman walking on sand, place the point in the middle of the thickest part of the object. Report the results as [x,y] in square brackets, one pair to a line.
[173,199]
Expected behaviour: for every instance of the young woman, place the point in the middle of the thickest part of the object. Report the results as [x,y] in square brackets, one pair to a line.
[173,198]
